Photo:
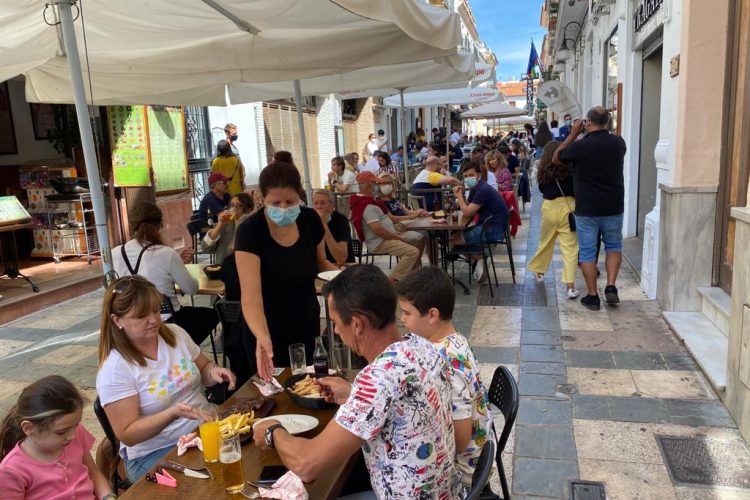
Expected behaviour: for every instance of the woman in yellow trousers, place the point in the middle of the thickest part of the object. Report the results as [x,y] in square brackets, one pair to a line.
[556,185]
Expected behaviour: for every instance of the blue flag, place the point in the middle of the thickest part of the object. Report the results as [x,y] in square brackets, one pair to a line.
[533,62]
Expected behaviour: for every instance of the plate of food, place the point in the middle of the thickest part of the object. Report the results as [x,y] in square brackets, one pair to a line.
[240,417]
[303,390]
[328,275]
[213,272]
[438,214]
[294,424]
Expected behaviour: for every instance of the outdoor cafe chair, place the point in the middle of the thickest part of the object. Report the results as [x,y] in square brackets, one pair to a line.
[482,471]
[503,396]
[111,466]
[416,202]
[358,249]
[230,313]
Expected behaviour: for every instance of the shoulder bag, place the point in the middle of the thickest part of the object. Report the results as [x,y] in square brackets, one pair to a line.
[571,215]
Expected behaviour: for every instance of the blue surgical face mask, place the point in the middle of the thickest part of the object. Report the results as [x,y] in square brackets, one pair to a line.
[283,216]
[568,123]
[470,182]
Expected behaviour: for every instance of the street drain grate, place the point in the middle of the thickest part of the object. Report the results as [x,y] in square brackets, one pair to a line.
[706,462]
[587,490]
[509,294]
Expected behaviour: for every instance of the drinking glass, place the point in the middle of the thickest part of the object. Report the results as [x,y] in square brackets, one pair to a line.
[342,359]
[209,431]
[230,455]
[297,358]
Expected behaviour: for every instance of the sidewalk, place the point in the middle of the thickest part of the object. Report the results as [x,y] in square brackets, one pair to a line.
[597,388]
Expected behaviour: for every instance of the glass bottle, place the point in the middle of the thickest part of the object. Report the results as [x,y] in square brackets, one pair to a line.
[210,218]
[320,357]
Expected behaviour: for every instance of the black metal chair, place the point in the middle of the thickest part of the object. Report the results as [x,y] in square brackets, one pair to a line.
[503,395]
[230,313]
[118,483]
[358,250]
[194,229]
[482,472]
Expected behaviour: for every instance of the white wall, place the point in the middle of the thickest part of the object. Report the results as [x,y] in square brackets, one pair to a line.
[28,147]
[326,135]
[251,142]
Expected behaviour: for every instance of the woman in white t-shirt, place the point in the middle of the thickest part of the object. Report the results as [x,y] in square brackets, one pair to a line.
[343,176]
[151,375]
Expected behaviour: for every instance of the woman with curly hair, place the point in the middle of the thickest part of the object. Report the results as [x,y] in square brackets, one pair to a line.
[556,184]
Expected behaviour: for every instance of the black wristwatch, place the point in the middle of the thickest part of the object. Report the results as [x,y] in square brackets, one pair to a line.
[269,434]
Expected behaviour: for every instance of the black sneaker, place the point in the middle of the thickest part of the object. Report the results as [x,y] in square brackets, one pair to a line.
[591,302]
[610,294]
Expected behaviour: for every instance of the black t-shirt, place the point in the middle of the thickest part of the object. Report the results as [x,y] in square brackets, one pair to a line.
[597,161]
[214,203]
[550,190]
[287,277]
[513,163]
[339,227]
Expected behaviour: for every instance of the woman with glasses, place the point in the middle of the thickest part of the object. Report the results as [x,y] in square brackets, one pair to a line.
[151,375]
[147,255]
[220,238]
[279,252]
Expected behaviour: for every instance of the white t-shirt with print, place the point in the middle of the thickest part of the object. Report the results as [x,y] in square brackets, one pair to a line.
[469,400]
[350,178]
[171,378]
[400,405]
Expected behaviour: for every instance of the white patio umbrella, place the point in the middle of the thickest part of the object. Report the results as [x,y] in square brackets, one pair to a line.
[141,51]
[493,110]
[442,97]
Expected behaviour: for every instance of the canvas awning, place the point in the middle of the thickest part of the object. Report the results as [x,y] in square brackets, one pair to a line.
[444,97]
[493,110]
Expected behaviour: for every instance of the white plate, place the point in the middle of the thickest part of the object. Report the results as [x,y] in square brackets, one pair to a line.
[310,370]
[328,275]
[294,424]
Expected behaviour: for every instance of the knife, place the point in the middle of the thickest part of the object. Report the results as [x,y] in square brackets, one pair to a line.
[201,473]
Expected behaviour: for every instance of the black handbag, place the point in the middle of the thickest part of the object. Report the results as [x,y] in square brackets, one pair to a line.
[571,215]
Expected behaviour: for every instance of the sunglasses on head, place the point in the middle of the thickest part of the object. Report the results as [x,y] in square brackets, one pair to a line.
[123,284]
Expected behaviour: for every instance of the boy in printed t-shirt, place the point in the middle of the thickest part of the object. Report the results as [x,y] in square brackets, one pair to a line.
[426,298]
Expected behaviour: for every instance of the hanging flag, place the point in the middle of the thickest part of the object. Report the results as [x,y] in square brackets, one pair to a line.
[533,63]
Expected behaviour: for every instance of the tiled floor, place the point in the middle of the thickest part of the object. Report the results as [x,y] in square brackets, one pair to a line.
[596,387]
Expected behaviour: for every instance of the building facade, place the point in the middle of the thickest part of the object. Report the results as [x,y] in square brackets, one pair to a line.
[674,75]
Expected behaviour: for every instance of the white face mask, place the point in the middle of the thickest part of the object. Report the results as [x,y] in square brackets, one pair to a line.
[386,189]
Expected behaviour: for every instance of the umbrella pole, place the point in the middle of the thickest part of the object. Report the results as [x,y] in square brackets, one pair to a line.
[403,139]
[303,141]
[84,126]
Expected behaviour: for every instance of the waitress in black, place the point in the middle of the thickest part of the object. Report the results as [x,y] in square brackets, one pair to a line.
[279,252]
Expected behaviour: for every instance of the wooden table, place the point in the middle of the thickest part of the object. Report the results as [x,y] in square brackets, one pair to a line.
[206,286]
[253,460]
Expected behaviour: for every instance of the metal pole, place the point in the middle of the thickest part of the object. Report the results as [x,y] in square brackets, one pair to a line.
[407,184]
[303,141]
[84,126]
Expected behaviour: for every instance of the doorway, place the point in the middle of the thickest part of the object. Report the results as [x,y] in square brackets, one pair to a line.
[650,121]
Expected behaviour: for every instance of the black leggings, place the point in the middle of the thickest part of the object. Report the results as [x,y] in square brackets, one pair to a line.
[199,322]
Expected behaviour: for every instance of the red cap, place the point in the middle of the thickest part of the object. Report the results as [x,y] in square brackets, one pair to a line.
[217,177]
[368,176]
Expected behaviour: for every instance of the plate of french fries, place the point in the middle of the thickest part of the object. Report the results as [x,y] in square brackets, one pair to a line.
[304,391]
[237,423]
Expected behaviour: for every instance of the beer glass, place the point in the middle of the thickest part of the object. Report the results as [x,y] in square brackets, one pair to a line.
[230,455]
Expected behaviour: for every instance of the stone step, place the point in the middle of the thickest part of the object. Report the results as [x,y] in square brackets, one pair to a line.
[707,345]
[715,306]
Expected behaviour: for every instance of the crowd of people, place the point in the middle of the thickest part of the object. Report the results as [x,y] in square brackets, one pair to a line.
[418,410]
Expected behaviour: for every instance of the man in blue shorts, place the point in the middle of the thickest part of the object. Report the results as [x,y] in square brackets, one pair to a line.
[597,161]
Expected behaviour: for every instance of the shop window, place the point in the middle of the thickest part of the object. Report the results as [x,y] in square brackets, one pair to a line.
[198,133]
[349,108]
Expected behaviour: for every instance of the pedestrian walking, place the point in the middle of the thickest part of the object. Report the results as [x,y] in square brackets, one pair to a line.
[556,185]
[597,162]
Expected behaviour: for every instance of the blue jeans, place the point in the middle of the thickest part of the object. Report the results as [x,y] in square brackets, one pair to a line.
[137,467]
[472,235]
[588,228]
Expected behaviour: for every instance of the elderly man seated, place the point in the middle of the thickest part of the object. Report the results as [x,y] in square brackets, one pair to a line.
[398,410]
[337,235]
[374,224]
[216,200]
[431,178]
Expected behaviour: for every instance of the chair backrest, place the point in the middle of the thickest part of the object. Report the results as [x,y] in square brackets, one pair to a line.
[482,471]
[194,226]
[166,307]
[503,395]
[416,202]
[106,426]
[229,312]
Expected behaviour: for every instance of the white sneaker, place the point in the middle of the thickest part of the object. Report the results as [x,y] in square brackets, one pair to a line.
[573,293]
[479,272]
[539,277]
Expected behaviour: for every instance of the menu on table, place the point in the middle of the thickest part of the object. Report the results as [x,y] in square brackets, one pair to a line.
[166,132]
[11,211]
[130,150]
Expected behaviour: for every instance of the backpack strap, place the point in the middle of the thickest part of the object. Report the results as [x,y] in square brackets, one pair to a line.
[132,270]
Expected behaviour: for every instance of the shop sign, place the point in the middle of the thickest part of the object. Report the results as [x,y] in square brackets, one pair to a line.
[644,12]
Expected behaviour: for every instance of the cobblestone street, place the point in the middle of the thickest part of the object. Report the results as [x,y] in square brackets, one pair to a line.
[597,388]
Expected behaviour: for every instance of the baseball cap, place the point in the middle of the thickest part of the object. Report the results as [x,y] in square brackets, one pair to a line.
[217,177]
[367,176]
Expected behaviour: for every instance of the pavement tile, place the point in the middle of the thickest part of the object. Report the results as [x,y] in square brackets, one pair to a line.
[545,442]
[543,477]
[9,389]
[580,318]
[498,317]
[497,355]
[490,336]
[67,355]
[687,493]
[589,341]
[726,434]
[637,409]
[590,359]
[10,346]
[629,360]
[51,322]
[602,382]
[710,413]
[542,368]
[617,441]
[629,481]
[542,353]
[590,407]
[673,384]
[640,340]
[541,337]
[638,309]
[543,412]
[540,318]
[539,385]
[679,361]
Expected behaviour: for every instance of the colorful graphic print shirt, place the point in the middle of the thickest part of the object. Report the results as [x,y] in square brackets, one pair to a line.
[169,379]
[469,400]
[400,405]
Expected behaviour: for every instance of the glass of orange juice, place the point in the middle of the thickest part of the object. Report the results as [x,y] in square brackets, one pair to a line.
[209,431]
